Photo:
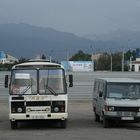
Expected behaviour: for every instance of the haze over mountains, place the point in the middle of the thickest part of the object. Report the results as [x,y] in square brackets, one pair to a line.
[23,40]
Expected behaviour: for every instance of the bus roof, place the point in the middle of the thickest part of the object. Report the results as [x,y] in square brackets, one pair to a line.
[37,64]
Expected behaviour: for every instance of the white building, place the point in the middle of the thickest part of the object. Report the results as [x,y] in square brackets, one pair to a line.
[135,65]
[6,58]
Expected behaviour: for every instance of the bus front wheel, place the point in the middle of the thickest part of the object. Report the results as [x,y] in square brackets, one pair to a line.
[13,124]
[63,123]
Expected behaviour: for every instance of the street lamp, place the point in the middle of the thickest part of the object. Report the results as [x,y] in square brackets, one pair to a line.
[51,55]
[123,60]
[111,62]
[130,63]
[67,59]
[92,57]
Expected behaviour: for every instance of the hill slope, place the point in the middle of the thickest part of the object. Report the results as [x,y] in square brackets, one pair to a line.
[28,41]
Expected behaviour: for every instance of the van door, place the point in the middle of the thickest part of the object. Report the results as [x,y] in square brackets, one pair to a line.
[95,94]
[100,99]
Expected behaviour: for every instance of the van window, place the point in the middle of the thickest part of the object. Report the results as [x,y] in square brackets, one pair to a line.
[96,86]
[123,90]
[101,87]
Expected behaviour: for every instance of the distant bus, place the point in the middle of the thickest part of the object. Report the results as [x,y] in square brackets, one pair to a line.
[38,91]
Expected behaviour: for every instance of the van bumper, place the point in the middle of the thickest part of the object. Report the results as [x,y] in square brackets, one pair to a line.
[126,119]
[123,116]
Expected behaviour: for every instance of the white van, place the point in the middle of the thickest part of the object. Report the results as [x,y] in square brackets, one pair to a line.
[116,99]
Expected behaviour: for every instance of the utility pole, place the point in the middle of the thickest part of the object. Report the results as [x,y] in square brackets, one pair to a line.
[51,55]
[67,58]
[123,60]
[92,57]
[111,62]
[130,63]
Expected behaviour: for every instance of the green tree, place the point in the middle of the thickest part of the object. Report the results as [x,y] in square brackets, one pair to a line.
[22,60]
[117,61]
[81,56]
[43,56]
[103,63]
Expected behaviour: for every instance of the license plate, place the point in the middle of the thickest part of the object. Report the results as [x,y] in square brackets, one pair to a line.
[127,118]
[38,117]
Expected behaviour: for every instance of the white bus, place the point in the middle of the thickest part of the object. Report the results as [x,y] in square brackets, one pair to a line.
[38,91]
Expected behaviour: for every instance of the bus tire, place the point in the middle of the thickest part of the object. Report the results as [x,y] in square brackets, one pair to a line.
[13,124]
[63,123]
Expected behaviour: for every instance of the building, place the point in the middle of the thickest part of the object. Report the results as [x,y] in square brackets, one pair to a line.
[2,57]
[96,56]
[7,59]
[135,65]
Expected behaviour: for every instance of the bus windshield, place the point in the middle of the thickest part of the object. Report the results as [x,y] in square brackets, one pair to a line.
[41,81]
[23,82]
[51,81]
[123,90]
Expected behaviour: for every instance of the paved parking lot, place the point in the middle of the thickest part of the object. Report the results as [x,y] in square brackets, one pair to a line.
[81,124]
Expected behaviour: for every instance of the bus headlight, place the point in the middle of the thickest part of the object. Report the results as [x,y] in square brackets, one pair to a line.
[56,109]
[58,106]
[28,109]
[19,109]
[47,109]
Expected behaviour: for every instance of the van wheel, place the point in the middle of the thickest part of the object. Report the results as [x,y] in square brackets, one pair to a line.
[13,124]
[105,123]
[97,118]
[63,123]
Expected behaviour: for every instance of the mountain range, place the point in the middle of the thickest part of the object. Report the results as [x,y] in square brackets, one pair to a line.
[24,40]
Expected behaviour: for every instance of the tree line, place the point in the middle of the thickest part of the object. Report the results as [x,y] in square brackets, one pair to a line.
[107,61]
[102,63]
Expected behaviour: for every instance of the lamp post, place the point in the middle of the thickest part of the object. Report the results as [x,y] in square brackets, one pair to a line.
[51,55]
[92,58]
[111,62]
[67,59]
[123,60]
[130,63]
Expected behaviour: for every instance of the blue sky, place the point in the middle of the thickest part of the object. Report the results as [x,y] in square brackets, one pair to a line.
[76,16]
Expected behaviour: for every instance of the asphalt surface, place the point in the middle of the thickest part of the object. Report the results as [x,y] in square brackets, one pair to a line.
[81,124]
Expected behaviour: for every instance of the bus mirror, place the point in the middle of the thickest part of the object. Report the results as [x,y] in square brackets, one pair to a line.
[70,80]
[6,81]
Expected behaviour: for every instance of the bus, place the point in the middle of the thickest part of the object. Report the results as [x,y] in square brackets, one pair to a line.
[38,91]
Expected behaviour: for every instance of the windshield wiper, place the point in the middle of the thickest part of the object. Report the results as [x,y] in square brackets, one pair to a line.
[132,98]
[115,97]
[25,90]
[50,89]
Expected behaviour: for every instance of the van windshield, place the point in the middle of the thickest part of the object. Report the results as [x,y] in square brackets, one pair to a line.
[123,90]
